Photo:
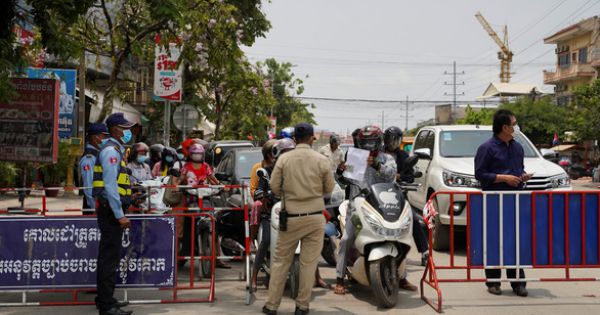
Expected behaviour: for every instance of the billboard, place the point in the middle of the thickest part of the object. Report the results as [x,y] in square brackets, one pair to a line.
[37,253]
[29,123]
[167,76]
[67,109]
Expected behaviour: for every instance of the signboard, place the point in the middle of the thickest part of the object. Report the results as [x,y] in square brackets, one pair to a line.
[28,123]
[167,76]
[67,109]
[185,118]
[272,127]
[38,253]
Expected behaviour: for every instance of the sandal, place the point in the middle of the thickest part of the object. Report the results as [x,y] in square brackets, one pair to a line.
[222,265]
[322,284]
[340,289]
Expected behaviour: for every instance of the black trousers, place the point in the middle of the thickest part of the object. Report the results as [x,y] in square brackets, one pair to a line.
[109,254]
[510,273]
[419,234]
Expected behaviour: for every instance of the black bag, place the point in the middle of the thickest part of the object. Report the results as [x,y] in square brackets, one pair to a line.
[283,218]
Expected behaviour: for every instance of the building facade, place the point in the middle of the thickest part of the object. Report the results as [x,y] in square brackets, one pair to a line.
[577,58]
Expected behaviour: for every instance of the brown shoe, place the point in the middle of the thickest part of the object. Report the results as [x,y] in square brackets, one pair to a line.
[405,285]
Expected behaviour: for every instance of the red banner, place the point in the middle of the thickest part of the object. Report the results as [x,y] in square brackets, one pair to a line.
[29,123]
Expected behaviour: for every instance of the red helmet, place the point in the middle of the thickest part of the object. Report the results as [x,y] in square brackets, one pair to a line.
[370,138]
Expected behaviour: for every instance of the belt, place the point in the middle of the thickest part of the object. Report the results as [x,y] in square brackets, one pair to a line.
[304,214]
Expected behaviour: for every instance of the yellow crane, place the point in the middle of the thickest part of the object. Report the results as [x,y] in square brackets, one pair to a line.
[505,55]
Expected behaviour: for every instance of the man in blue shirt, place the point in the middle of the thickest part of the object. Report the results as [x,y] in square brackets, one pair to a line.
[95,134]
[499,165]
[112,189]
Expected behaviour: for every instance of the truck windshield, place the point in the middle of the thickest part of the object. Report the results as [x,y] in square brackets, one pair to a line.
[464,143]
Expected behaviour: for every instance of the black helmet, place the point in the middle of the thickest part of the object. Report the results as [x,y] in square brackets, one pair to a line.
[392,137]
[370,138]
[156,151]
[169,156]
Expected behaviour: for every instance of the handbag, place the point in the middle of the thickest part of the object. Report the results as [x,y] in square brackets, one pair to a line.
[172,197]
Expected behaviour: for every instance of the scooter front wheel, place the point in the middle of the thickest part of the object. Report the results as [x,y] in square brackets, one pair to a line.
[384,281]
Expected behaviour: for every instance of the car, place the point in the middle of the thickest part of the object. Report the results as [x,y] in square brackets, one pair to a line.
[216,150]
[236,166]
[446,159]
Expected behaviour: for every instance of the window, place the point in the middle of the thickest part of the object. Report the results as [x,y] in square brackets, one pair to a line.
[430,141]
[421,140]
[564,61]
[574,58]
[583,55]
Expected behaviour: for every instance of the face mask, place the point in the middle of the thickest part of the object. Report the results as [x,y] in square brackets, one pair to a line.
[141,158]
[127,135]
[169,159]
[197,157]
[103,142]
[180,156]
[516,128]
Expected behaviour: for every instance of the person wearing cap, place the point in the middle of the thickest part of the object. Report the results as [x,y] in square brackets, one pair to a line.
[333,153]
[112,190]
[301,186]
[96,134]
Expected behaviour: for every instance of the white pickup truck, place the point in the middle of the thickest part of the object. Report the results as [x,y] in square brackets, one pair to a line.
[447,162]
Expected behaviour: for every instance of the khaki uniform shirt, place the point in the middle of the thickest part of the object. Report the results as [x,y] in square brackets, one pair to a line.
[302,176]
[335,158]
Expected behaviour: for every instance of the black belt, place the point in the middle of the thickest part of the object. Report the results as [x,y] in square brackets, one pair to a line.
[304,214]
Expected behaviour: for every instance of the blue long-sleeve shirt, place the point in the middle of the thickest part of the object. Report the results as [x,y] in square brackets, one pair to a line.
[110,159]
[86,169]
[496,157]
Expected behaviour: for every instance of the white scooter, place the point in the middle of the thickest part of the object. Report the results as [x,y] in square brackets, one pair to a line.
[383,236]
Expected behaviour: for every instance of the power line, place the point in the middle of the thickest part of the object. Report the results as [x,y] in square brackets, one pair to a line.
[454,85]
[530,26]
[383,101]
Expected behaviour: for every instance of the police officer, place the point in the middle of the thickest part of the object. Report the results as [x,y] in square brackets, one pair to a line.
[95,135]
[113,192]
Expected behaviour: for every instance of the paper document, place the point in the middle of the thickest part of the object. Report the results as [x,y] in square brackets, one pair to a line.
[356,164]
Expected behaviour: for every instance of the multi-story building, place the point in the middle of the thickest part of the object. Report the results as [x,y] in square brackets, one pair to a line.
[577,58]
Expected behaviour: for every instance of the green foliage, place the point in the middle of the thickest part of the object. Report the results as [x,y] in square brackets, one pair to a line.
[477,117]
[55,174]
[585,109]
[8,174]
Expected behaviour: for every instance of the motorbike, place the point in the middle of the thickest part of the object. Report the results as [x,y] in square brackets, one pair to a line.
[332,228]
[383,235]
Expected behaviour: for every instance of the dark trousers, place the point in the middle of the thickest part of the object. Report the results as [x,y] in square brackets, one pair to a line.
[510,273]
[109,253]
[419,234]
[264,245]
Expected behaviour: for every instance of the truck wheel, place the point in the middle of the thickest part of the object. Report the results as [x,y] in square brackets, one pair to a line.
[441,233]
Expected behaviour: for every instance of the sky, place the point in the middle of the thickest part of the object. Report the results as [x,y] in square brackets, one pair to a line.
[394,49]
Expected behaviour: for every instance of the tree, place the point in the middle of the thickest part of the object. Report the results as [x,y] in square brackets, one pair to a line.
[585,109]
[284,86]
[121,30]
[477,117]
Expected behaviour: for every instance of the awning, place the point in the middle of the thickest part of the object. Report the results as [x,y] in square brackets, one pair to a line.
[566,147]
[129,111]
[509,89]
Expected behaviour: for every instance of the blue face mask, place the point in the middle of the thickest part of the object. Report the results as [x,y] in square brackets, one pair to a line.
[141,159]
[169,159]
[180,156]
[127,135]
[103,142]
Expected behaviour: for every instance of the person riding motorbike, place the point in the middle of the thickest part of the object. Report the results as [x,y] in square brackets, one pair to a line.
[155,154]
[140,170]
[263,202]
[381,169]
[169,160]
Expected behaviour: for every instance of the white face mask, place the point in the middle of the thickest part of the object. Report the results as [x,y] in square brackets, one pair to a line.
[516,129]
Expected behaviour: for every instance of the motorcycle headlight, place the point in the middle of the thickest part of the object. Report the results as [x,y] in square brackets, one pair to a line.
[560,181]
[378,228]
[459,180]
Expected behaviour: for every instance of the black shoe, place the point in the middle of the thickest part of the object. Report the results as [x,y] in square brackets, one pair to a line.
[424,258]
[268,311]
[300,311]
[520,291]
[118,304]
[115,311]
[495,290]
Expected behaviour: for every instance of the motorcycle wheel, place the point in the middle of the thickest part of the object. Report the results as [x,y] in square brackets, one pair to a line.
[384,281]
[205,241]
[328,252]
[294,277]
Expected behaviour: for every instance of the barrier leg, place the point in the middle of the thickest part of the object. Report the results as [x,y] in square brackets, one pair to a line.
[430,278]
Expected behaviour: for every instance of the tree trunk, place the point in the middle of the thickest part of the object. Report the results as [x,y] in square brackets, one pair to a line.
[107,102]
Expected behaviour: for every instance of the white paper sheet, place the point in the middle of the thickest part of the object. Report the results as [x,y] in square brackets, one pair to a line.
[356,164]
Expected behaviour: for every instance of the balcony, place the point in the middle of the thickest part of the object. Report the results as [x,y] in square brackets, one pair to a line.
[575,71]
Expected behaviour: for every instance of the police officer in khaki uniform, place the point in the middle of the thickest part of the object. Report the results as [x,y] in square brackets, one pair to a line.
[301,178]
[112,190]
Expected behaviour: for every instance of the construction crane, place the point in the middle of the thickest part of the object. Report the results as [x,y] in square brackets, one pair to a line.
[505,55]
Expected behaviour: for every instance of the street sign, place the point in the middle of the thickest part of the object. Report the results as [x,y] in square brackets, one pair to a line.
[185,118]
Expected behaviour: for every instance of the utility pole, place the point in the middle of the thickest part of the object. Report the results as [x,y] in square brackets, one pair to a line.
[382,120]
[406,116]
[454,85]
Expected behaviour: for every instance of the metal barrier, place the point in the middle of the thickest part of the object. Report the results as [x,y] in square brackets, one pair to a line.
[518,230]
[193,213]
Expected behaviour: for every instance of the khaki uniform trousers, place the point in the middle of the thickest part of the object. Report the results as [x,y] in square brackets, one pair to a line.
[309,230]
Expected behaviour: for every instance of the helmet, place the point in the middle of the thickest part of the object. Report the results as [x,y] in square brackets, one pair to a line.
[267,148]
[284,145]
[370,138]
[287,132]
[185,145]
[169,156]
[140,146]
[392,137]
[156,151]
